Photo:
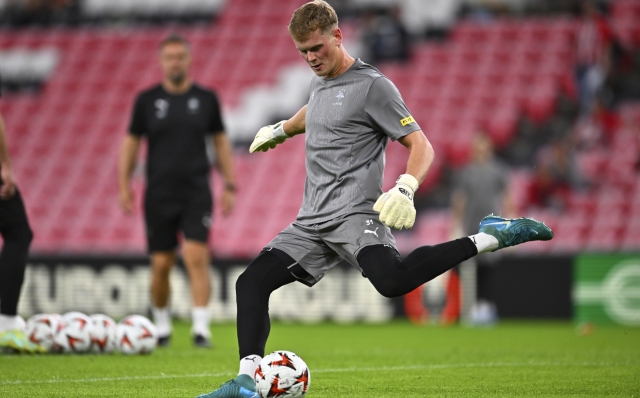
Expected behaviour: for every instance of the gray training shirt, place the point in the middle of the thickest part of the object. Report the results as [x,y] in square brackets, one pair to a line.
[484,186]
[348,121]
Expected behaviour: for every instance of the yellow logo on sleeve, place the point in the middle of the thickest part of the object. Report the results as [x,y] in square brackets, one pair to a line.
[407,120]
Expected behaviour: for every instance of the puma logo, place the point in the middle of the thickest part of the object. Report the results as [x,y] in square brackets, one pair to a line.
[375,232]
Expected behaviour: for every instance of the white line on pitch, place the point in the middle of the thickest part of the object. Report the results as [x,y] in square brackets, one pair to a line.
[330,370]
[123,378]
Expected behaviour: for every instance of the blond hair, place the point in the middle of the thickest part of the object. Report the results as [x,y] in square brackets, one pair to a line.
[314,15]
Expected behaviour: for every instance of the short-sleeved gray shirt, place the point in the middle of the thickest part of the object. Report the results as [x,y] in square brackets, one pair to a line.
[348,121]
[483,185]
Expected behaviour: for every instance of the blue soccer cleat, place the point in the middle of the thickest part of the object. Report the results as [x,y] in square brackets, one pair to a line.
[514,231]
[242,386]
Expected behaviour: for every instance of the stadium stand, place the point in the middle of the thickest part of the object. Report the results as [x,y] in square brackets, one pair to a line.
[120,8]
[65,139]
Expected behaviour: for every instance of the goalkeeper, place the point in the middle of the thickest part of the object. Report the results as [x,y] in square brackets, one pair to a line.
[352,112]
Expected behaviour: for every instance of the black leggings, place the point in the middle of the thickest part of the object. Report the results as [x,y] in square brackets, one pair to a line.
[17,236]
[388,273]
[393,277]
[253,288]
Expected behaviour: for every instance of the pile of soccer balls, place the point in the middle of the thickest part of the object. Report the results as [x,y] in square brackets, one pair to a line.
[75,332]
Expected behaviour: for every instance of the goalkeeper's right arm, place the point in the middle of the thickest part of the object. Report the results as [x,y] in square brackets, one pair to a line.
[270,136]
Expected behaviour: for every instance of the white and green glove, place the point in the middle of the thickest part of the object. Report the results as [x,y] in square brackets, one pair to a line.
[268,137]
[396,206]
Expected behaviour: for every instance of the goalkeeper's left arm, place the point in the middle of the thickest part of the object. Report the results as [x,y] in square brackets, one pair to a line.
[396,206]
[270,136]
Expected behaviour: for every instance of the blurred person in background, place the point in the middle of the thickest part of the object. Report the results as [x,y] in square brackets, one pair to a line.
[177,116]
[385,37]
[599,129]
[17,236]
[482,188]
[556,175]
[42,12]
[593,55]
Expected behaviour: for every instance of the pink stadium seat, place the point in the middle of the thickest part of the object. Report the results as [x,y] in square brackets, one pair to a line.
[631,241]
[459,145]
[631,238]
[502,125]
[592,164]
[621,172]
[506,31]
[607,239]
[567,243]
[540,103]
[621,9]
[432,228]
[611,197]
[576,222]
[582,202]
[570,232]
[534,247]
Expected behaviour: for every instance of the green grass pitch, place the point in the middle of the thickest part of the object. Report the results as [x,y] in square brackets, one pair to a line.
[390,360]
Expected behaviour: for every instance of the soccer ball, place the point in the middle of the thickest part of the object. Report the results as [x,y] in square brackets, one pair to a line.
[73,334]
[136,334]
[103,334]
[41,329]
[282,374]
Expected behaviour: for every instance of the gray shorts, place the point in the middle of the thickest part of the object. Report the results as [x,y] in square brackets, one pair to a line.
[320,247]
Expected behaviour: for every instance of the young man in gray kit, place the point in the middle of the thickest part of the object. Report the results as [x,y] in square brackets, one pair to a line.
[351,113]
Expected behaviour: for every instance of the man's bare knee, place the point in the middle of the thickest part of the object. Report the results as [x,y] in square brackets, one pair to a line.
[162,262]
[196,255]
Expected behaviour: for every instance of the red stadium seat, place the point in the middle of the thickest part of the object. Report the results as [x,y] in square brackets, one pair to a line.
[570,232]
[502,125]
[432,228]
[604,240]
[540,103]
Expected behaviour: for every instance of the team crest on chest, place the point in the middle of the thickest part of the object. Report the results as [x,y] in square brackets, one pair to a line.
[339,97]
[162,107]
[194,105]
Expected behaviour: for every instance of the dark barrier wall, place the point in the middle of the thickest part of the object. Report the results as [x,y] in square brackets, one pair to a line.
[120,286]
[533,287]
[522,287]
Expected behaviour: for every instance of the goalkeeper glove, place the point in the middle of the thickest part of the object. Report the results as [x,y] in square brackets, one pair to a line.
[396,206]
[268,137]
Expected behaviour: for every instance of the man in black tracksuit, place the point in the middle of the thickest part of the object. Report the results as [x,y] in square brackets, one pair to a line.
[175,117]
[16,234]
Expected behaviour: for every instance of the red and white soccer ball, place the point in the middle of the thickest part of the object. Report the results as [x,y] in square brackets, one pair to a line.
[136,334]
[103,334]
[282,374]
[41,328]
[73,334]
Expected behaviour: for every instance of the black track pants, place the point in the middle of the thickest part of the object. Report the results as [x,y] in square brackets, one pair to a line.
[17,236]
[265,274]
